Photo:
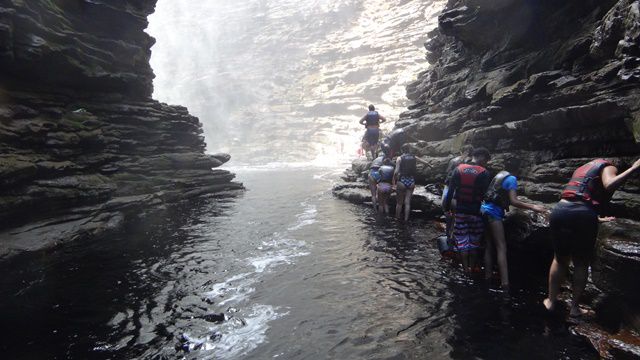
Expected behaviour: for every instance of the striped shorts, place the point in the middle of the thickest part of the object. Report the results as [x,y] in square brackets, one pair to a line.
[468,231]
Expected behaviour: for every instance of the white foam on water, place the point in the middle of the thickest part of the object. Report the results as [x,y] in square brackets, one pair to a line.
[238,337]
[226,286]
[307,217]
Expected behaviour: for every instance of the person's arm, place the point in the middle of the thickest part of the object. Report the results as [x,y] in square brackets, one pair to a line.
[396,172]
[363,120]
[611,180]
[513,197]
[382,118]
[453,185]
[423,162]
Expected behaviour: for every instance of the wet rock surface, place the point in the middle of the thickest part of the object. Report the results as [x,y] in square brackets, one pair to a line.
[83,147]
[546,87]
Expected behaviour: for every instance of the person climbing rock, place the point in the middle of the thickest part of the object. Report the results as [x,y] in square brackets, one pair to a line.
[574,225]
[501,194]
[404,179]
[467,186]
[371,120]
[374,178]
[385,186]
[393,142]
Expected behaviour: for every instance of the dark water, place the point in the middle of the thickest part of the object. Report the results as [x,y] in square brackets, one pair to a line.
[296,273]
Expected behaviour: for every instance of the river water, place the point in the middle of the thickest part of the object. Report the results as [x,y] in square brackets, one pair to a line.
[282,270]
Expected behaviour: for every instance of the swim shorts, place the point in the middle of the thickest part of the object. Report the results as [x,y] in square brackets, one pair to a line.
[372,135]
[467,232]
[491,212]
[407,181]
[375,175]
[574,228]
[384,187]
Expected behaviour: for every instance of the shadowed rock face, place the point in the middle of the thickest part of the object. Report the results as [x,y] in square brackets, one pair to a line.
[83,146]
[545,86]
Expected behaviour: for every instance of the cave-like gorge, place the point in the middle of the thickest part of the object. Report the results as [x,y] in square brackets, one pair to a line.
[85,151]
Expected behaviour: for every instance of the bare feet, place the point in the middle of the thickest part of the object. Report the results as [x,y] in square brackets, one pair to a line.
[549,305]
[577,312]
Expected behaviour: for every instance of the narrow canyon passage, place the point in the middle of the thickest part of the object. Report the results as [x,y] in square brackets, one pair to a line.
[281,271]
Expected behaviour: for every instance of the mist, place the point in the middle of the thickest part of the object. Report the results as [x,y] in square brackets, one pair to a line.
[287,81]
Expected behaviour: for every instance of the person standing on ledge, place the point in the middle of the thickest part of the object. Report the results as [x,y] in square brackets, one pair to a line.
[371,121]
[501,194]
[574,225]
[404,180]
[467,186]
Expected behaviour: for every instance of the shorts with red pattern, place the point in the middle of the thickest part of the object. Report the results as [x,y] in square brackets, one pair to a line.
[467,232]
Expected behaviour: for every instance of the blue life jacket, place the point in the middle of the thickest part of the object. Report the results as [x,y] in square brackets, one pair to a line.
[386,173]
[373,118]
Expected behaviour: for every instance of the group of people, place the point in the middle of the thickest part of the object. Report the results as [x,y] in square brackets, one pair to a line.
[475,204]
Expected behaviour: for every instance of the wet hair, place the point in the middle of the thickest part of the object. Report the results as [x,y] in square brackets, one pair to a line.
[467,150]
[481,152]
[407,149]
[372,108]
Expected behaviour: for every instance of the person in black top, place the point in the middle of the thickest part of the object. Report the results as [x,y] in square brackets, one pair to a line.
[371,121]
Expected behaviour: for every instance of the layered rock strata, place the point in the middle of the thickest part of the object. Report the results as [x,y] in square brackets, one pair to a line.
[83,147]
[545,86]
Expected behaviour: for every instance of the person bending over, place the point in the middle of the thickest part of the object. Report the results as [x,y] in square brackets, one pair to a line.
[384,186]
[502,193]
[574,225]
[467,186]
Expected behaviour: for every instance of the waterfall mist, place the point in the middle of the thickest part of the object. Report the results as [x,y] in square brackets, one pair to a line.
[288,80]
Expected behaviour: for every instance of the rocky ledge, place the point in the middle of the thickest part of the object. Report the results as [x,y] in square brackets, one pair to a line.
[84,148]
[545,86]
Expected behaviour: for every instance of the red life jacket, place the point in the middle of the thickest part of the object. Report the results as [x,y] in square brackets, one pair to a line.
[586,183]
[469,191]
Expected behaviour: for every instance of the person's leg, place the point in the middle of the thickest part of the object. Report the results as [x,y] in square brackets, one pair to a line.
[557,272]
[381,200]
[580,276]
[407,202]
[373,186]
[497,230]
[488,254]
[400,192]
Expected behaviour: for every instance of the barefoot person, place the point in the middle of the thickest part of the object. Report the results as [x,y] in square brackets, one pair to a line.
[501,194]
[404,180]
[467,186]
[385,186]
[371,121]
[574,225]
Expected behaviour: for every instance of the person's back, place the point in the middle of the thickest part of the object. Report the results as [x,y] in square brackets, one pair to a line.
[469,183]
[372,119]
[586,184]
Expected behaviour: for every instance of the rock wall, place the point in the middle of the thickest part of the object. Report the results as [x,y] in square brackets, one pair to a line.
[83,147]
[545,86]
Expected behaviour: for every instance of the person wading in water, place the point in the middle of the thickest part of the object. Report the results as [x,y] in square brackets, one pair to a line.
[374,178]
[501,194]
[467,186]
[574,225]
[404,180]
[371,121]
